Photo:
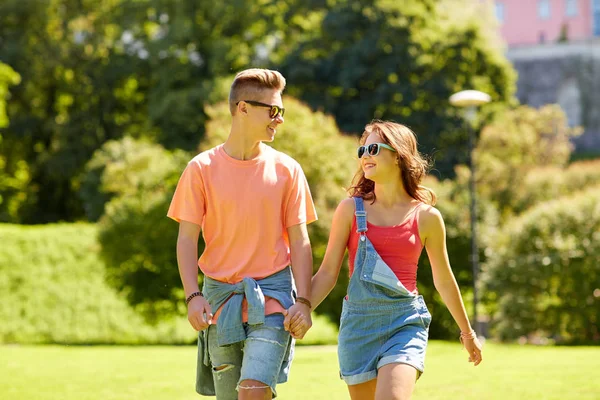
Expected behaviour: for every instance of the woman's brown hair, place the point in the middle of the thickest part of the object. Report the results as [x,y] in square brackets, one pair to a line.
[412,165]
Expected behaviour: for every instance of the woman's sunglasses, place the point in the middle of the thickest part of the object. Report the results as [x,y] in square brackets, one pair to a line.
[373,149]
[275,110]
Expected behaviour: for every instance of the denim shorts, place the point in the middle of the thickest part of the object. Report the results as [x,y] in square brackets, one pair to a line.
[380,333]
[259,357]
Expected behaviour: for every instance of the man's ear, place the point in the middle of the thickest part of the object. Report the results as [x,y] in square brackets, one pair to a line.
[242,107]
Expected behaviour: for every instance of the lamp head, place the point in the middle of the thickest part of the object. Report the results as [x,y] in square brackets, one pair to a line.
[469,98]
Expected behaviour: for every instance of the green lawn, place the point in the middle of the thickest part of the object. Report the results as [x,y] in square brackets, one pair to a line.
[152,373]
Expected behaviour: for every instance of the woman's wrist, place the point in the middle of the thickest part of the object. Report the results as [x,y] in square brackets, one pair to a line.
[469,335]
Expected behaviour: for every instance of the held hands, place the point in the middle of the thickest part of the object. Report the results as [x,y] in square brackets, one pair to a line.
[473,346]
[297,320]
[199,313]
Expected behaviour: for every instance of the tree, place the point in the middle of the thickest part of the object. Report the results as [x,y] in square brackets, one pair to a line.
[97,71]
[392,60]
[76,93]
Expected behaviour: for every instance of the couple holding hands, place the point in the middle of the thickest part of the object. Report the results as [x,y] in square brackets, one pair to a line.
[252,204]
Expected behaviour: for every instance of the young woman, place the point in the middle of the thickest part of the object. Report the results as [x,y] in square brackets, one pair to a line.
[385,225]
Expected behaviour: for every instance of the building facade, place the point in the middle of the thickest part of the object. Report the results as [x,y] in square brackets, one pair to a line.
[528,22]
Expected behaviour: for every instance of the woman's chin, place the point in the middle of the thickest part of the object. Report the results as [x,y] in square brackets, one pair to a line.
[369,175]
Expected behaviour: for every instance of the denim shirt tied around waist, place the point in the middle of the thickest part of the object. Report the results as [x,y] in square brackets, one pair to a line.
[230,327]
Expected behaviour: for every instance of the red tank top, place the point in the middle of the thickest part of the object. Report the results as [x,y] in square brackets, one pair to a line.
[399,246]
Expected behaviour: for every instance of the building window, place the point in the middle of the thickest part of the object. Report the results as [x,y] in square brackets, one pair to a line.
[596,13]
[544,9]
[500,12]
[571,10]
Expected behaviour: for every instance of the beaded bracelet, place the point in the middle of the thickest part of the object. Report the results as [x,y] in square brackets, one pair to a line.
[191,296]
[467,335]
[304,301]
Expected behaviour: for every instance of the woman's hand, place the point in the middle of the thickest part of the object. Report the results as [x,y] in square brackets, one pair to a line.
[473,347]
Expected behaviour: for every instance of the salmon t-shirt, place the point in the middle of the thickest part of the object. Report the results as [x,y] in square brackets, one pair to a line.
[244,209]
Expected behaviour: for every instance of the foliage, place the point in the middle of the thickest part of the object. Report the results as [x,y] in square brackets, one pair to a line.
[138,241]
[53,290]
[14,175]
[123,168]
[97,71]
[7,77]
[392,60]
[77,92]
[518,142]
[551,182]
[543,270]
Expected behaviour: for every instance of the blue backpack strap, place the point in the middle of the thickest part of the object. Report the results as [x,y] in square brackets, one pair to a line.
[361,215]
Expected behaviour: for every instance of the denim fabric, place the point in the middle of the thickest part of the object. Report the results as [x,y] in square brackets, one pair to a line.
[230,329]
[259,357]
[382,322]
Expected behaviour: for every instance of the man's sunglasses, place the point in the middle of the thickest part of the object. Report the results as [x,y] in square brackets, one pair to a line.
[275,110]
[373,149]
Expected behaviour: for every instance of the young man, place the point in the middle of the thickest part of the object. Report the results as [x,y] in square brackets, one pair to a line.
[252,204]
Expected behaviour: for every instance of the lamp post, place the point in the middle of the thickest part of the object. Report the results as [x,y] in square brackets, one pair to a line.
[470,100]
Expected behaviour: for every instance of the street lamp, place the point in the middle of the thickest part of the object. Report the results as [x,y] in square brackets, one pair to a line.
[470,100]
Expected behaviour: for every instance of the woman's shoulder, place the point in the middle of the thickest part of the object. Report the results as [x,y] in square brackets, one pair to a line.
[429,211]
[430,218]
[346,206]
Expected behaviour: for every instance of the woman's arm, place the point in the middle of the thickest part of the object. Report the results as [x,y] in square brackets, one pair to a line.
[327,275]
[434,234]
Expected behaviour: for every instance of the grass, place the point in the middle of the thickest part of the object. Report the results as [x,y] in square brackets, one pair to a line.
[161,372]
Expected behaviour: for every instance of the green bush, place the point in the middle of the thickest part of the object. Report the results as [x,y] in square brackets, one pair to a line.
[518,142]
[125,167]
[53,290]
[542,275]
[545,183]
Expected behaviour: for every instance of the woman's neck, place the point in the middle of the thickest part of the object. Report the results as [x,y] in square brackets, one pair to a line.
[391,194]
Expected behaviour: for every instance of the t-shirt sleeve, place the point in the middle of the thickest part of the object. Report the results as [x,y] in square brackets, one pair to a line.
[300,207]
[189,200]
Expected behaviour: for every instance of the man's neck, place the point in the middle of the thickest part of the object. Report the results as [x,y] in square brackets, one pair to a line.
[240,147]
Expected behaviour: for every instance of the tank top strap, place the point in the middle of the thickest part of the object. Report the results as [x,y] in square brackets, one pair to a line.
[361,214]
[414,212]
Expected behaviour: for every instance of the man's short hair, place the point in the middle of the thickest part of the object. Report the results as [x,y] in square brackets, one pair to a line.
[250,82]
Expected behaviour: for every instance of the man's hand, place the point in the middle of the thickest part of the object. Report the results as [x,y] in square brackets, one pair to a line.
[297,320]
[199,313]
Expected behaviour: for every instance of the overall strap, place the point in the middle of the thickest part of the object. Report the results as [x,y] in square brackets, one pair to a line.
[361,215]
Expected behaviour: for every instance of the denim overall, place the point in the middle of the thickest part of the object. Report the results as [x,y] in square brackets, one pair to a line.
[382,322]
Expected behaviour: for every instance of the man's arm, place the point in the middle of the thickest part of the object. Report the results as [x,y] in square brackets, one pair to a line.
[301,255]
[199,312]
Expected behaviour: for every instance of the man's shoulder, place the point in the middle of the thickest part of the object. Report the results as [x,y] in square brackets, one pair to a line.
[282,158]
[207,157]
